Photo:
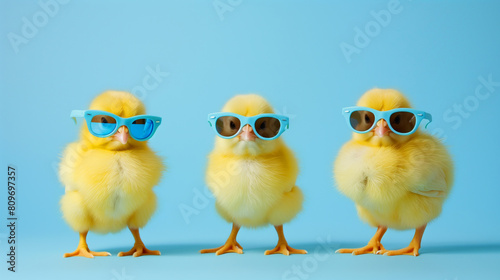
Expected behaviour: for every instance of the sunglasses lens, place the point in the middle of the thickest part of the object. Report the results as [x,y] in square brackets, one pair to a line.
[141,128]
[267,127]
[403,122]
[102,125]
[362,120]
[228,126]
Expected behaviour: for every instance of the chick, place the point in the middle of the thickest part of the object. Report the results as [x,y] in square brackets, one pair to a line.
[253,180]
[109,181]
[396,181]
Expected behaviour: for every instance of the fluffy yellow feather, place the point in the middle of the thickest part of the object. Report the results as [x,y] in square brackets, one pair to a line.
[396,181]
[108,184]
[253,181]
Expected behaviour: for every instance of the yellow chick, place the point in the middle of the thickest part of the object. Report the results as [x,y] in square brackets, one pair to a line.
[397,181]
[109,181]
[253,180]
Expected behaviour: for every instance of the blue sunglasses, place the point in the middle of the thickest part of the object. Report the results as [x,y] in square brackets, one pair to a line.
[402,121]
[104,124]
[265,126]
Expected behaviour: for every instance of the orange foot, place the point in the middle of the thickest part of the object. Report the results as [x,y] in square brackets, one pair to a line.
[371,248]
[139,250]
[411,250]
[85,252]
[283,248]
[229,247]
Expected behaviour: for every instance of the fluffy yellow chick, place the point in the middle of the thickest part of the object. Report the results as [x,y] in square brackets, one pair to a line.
[109,181]
[253,180]
[396,181]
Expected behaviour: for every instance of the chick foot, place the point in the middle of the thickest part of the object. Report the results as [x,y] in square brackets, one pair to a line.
[228,247]
[83,250]
[231,245]
[373,247]
[412,249]
[370,248]
[139,249]
[282,246]
[285,250]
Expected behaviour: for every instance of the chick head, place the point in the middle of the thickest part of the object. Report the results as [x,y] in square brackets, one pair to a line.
[383,100]
[122,104]
[247,143]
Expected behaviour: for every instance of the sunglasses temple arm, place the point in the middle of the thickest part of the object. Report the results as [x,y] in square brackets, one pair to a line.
[77,114]
[429,118]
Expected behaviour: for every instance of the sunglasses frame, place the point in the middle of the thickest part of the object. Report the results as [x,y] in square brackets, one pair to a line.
[284,123]
[89,114]
[386,115]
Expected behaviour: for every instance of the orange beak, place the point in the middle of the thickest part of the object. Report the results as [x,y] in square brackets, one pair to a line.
[247,133]
[382,128]
[122,135]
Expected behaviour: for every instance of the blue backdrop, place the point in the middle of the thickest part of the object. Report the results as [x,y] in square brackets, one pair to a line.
[309,58]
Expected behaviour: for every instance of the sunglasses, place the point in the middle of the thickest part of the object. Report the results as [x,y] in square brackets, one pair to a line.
[402,121]
[265,126]
[104,124]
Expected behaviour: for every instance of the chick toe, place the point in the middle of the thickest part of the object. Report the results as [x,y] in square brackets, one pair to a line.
[85,252]
[283,248]
[139,250]
[374,246]
[231,245]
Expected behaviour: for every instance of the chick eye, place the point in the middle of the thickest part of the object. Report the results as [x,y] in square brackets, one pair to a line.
[263,125]
[397,119]
[232,125]
[367,118]
[103,120]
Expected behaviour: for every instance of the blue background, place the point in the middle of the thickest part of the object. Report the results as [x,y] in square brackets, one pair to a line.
[288,51]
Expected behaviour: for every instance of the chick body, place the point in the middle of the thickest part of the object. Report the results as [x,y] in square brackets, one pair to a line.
[401,187]
[108,190]
[255,191]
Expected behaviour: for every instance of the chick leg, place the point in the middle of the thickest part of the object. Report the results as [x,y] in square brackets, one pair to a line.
[412,249]
[139,249]
[231,246]
[83,249]
[373,246]
[282,246]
